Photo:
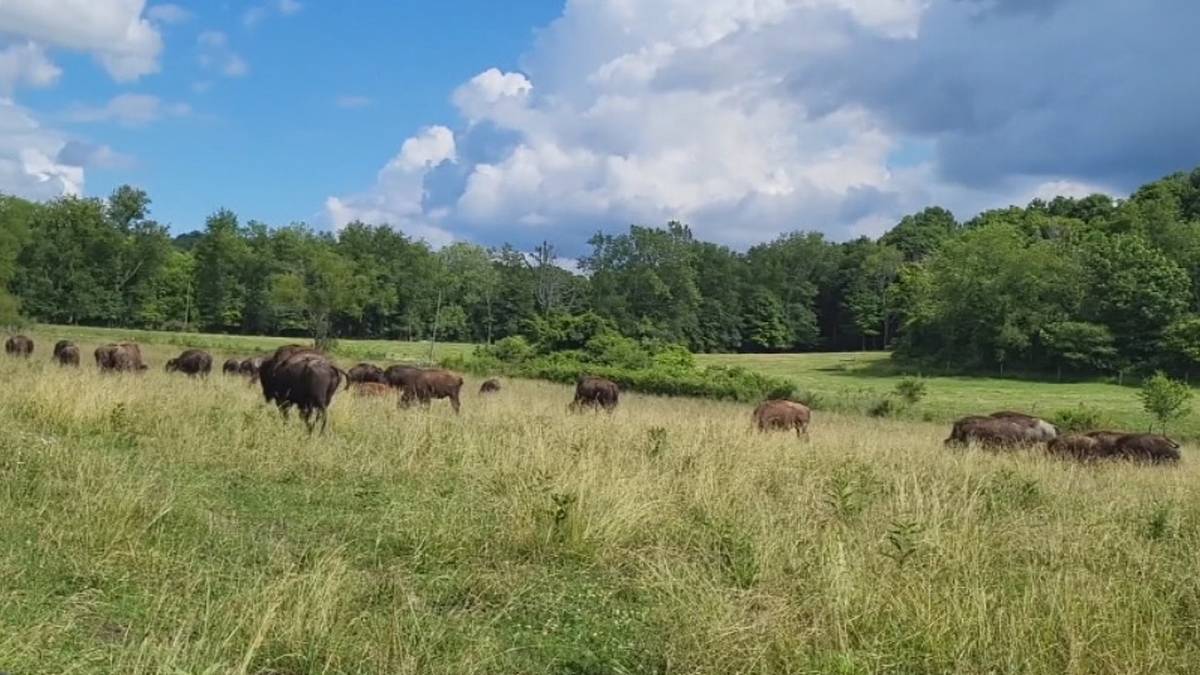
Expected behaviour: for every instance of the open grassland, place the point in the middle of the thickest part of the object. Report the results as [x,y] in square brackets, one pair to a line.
[853,381]
[154,524]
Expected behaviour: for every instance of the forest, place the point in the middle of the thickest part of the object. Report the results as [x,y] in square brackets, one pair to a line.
[1070,285]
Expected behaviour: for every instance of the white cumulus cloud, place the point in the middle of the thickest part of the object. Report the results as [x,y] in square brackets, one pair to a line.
[129,110]
[26,64]
[30,162]
[113,31]
[216,54]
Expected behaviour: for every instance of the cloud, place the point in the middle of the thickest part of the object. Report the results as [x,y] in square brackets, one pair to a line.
[131,110]
[216,54]
[30,161]
[257,13]
[112,31]
[168,14]
[749,118]
[26,64]
[350,102]
[86,155]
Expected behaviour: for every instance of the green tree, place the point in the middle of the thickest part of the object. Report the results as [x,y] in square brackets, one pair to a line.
[325,283]
[766,326]
[220,255]
[1079,345]
[1165,399]
[918,236]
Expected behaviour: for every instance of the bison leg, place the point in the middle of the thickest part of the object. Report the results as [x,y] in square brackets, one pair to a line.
[454,403]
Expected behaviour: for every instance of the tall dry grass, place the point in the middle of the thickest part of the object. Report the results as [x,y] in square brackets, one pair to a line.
[159,525]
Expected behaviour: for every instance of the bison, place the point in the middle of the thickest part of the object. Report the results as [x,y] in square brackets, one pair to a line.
[231,366]
[596,393]
[66,353]
[1077,446]
[119,357]
[1149,448]
[779,414]
[1038,430]
[430,384]
[491,386]
[67,356]
[192,362]
[305,378]
[250,367]
[990,432]
[367,372]
[400,376]
[371,389]
[18,345]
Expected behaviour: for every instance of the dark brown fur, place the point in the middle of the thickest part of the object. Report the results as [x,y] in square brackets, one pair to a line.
[367,372]
[192,362]
[1079,447]
[305,378]
[596,393]
[431,384]
[371,389]
[231,367]
[989,432]
[119,357]
[67,356]
[250,367]
[18,345]
[400,376]
[1149,448]
[491,386]
[782,415]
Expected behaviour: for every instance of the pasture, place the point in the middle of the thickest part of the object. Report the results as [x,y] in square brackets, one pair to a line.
[156,524]
[852,381]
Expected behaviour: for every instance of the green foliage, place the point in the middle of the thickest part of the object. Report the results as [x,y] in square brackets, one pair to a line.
[1165,399]
[1079,419]
[885,407]
[911,390]
[1080,345]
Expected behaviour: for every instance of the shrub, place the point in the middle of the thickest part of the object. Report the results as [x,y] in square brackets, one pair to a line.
[1165,399]
[884,407]
[513,349]
[911,390]
[1082,418]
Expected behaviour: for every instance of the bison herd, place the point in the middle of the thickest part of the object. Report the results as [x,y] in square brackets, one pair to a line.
[307,379]
[1009,429]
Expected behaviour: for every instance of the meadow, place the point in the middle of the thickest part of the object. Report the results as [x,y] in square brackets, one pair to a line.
[156,524]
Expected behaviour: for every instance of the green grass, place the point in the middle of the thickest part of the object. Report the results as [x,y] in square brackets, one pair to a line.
[156,524]
[855,380]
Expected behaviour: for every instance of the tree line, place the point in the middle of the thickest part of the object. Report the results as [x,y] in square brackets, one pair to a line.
[1078,285]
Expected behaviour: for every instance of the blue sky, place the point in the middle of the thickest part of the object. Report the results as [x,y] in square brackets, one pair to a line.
[516,122]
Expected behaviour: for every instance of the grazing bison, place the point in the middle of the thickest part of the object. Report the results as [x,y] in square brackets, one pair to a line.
[430,384]
[192,362]
[68,355]
[1150,448]
[18,345]
[490,386]
[60,345]
[302,377]
[989,432]
[595,392]
[371,389]
[1106,439]
[400,376]
[1076,446]
[250,367]
[231,366]
[782,415]
[119,357]
[367,372]
[1038,430]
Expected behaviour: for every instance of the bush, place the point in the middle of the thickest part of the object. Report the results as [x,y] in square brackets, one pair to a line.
[911,390]
[884,407]
[1165,399]
[1082,418]
[513,349]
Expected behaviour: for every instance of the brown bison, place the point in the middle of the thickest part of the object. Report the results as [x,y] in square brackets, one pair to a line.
[1038,430]
[596,393]
[491,386]
[1076,446]
[990,432]
[400,376]
[250,367]
[430,384]
[782,415]
[231,366]
[119,357]
[66,353]
[1149,448]
[18,345]
[371,389]
[303,377]
[192,362]
[1106,439]
[367,372]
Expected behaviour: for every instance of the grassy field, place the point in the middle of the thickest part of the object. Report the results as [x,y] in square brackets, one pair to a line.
[855,380]
[155,524]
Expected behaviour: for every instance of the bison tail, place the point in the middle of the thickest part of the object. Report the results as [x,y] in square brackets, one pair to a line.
[344,375]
